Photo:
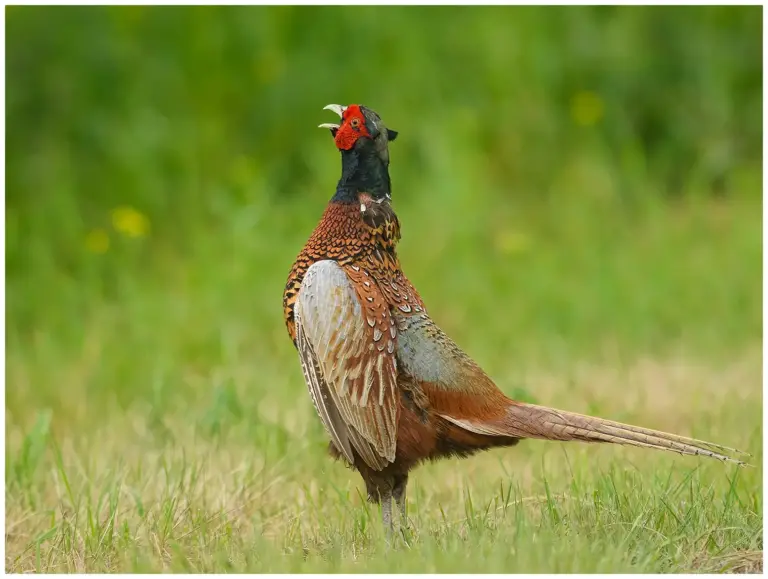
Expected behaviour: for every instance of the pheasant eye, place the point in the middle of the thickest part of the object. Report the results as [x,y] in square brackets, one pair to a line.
[355,123]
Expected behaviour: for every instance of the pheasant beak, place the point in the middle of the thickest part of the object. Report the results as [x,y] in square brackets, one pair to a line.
[339,110]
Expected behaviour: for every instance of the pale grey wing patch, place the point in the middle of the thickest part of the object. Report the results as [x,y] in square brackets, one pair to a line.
[361,381]
[425,352]
[318,391]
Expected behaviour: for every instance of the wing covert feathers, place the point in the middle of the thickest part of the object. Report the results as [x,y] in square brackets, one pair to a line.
[346,332]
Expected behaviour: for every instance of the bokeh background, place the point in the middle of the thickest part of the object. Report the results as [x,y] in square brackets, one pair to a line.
[575,184]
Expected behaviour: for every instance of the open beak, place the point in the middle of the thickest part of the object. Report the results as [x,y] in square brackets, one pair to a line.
[338,109]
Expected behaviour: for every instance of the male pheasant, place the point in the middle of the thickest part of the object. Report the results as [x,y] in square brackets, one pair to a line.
[390,387]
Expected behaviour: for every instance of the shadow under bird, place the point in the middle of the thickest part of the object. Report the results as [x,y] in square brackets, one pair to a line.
[392,389]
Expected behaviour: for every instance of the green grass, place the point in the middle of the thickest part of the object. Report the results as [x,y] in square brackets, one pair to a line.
[166,426]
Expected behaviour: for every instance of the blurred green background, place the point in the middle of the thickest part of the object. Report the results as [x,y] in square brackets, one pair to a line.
[580,195]
[171,153]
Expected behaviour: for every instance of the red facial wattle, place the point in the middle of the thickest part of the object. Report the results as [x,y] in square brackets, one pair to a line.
[352,128]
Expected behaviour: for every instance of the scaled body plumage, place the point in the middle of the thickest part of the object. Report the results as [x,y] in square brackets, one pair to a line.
[391,389]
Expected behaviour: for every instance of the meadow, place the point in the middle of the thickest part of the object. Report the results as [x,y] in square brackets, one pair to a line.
[580,197]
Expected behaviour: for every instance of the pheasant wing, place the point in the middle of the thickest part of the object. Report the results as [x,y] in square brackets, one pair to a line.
[318,391]
[345,332]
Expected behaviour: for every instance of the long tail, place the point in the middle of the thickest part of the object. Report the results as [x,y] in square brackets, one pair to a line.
[532,421]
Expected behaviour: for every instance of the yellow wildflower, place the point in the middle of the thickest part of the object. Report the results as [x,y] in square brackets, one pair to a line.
[130,222]
[97,241]
[510,242]
[586,108]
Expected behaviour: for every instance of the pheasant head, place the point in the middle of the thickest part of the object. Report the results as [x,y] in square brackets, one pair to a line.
[358,122]
[363,141]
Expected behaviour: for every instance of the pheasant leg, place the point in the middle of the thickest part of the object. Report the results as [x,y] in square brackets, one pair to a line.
[386,511]
[399,494]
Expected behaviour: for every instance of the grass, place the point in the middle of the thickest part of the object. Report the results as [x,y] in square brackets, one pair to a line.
[156,417]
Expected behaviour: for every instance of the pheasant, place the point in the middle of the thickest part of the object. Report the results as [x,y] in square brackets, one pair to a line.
[390,387]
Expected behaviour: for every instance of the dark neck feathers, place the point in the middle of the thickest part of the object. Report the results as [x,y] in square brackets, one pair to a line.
[362,171]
